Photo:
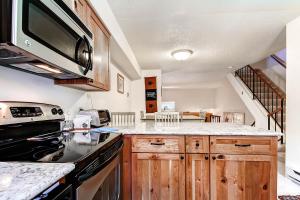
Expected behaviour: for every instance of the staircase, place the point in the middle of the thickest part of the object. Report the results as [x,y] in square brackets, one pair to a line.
[270,96]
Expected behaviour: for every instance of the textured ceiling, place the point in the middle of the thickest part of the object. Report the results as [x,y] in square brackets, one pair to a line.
[221,33]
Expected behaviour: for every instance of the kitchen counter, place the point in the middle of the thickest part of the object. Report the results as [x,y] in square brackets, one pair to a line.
[21,181]
[194,128]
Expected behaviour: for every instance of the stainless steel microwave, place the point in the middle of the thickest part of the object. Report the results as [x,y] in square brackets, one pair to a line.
[45,37]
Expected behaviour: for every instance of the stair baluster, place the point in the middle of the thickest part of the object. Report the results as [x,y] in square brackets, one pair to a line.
[262,90]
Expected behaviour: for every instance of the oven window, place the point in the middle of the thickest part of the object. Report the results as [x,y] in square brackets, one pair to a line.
[40,23]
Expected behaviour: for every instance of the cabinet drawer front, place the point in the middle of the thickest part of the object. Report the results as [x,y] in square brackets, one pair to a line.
[243,145]
[159,144]
[197,144]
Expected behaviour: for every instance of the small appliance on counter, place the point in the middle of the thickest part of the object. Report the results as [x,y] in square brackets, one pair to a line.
[82,122]
[31,132]
[99,118]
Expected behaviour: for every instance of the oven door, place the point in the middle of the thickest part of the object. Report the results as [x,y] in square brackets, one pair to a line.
[48,29]
[105,185]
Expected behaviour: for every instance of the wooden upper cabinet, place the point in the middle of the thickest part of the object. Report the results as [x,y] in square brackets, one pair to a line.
[80,7]
[101,50]
[197,176]
[247,177]
[158,176]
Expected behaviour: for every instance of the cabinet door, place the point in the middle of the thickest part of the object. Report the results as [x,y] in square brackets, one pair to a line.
[80,7]
[197,176]
[243,177]
[101,51]
[158,176]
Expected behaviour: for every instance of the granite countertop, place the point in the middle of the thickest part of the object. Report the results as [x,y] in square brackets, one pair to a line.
[194,128]
[21,181]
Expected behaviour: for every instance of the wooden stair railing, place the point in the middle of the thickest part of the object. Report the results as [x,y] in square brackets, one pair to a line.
[268,96]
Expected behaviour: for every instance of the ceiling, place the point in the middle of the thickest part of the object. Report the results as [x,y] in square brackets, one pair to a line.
[221,33]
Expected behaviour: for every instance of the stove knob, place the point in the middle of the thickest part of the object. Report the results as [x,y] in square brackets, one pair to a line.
[54,111]
[60,111]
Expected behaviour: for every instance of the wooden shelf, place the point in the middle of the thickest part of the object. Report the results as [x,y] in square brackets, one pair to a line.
[81,84]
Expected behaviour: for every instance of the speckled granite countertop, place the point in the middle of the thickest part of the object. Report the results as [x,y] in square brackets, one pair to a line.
[194,128]
[20,181]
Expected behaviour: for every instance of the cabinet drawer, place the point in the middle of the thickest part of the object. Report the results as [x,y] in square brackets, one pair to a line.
[243,145]
[159,144]
[197,144]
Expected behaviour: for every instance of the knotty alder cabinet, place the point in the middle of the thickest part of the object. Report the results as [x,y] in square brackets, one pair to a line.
[199,167]
[101,57]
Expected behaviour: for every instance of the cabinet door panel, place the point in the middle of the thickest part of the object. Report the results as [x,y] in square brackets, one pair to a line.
[197,176]
[80,7]
[101,51]
[158,176]
[243,177]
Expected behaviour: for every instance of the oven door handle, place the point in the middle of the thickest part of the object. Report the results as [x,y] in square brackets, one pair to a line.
[84,177]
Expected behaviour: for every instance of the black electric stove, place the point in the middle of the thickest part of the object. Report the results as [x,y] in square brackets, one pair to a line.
[31,132]
[78,148]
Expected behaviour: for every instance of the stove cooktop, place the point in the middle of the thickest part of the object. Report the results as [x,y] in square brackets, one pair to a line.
[58,147]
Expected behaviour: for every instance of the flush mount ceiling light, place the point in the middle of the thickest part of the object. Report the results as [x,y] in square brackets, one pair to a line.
[182,54]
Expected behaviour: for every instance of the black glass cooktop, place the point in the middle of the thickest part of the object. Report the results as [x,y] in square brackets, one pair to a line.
[58,147]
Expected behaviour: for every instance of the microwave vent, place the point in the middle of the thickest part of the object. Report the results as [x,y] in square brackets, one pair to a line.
[6,54]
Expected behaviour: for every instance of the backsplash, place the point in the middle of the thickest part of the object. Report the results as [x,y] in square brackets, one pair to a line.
[19,86]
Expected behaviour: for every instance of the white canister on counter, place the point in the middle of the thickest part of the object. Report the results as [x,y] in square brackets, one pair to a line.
[82,121]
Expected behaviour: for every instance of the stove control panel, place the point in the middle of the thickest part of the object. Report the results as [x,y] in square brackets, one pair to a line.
[18,112]
[13,112]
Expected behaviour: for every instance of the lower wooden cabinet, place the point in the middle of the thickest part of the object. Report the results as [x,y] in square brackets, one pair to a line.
[180,173]
[158,176]
[197,176]
[243,177]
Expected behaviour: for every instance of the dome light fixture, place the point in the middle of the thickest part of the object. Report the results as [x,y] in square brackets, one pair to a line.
[182,54]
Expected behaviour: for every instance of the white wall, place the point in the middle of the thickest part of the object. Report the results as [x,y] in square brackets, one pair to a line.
[20,86]
[273,70]
[191,100]
[138,102]
[227,100]
[218,100]
[254,107]
[293,95]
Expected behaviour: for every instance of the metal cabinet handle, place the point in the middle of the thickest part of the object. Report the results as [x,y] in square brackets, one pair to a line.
[75,4]
[157,143]
[242,145]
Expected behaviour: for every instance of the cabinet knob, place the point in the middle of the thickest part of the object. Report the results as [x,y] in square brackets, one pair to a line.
[214,157]
[197,144]
[182,157]
[206,157]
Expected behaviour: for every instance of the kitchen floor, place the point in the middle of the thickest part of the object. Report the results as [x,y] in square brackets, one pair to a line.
[285,186]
